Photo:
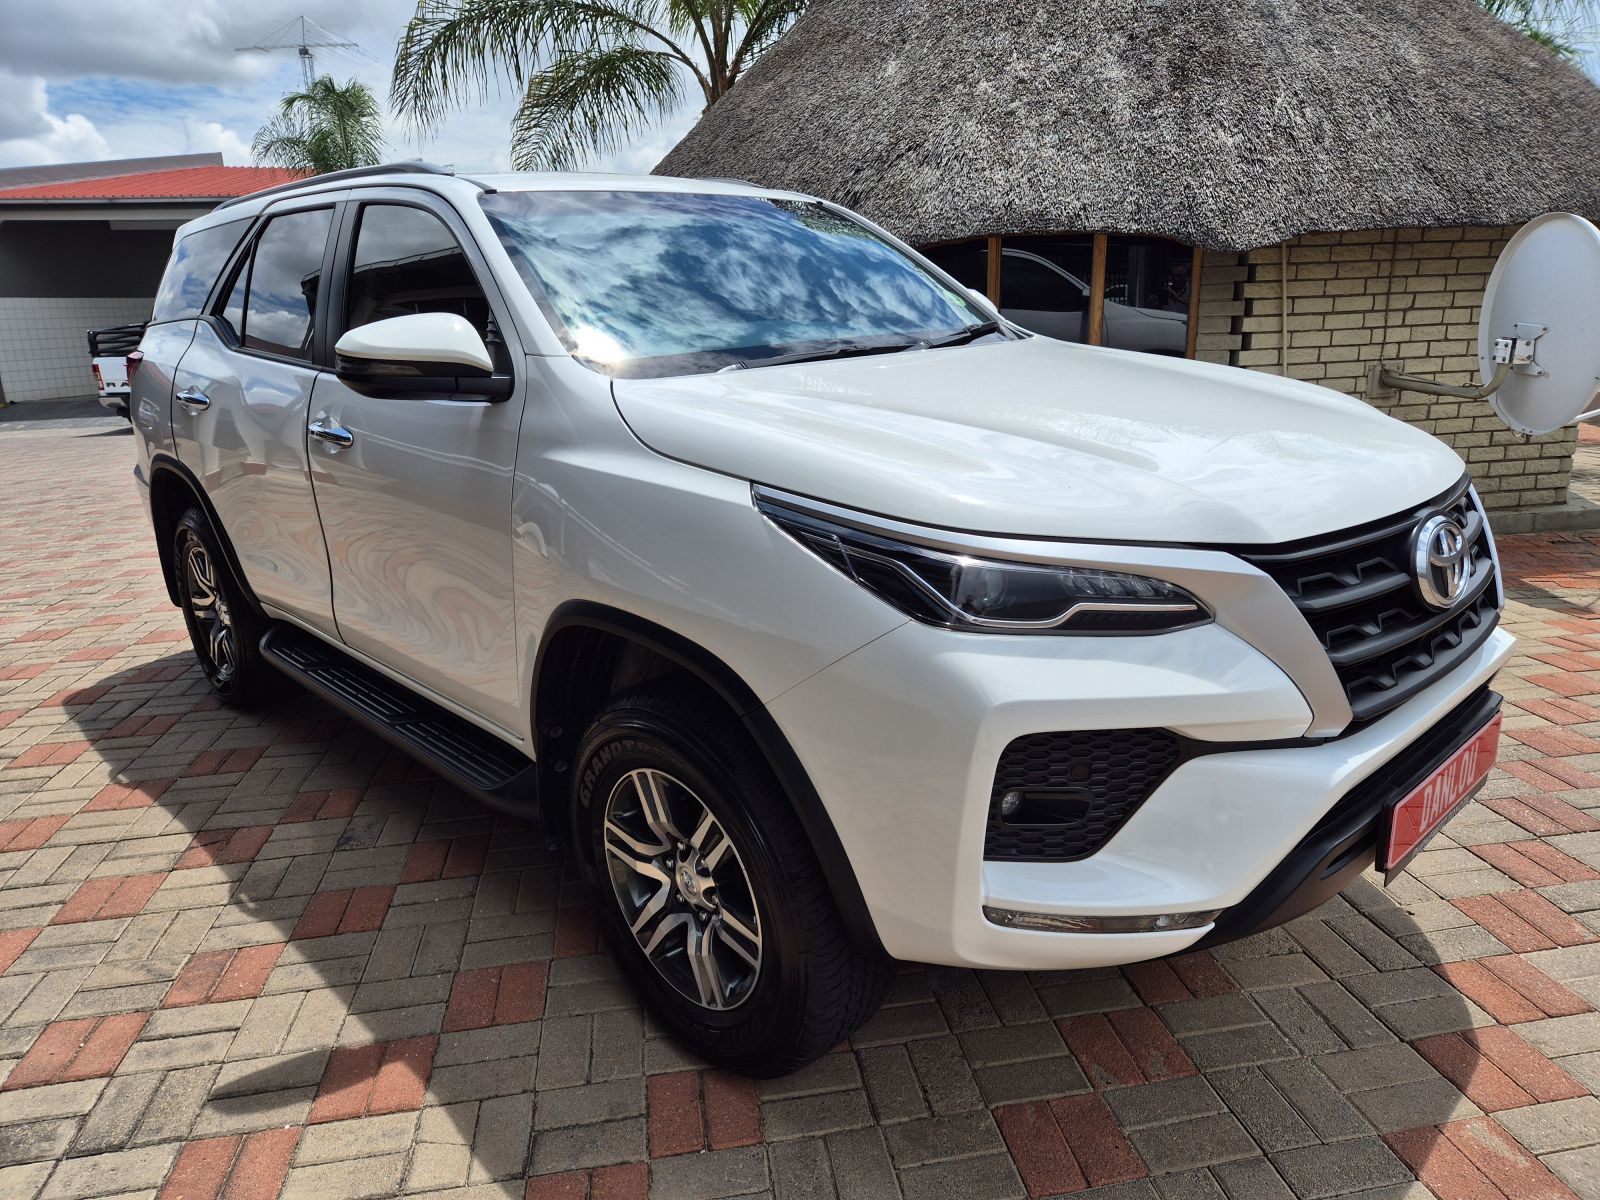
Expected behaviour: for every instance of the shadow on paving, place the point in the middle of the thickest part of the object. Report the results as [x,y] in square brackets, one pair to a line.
[363,940]
[359,952]
[33,412]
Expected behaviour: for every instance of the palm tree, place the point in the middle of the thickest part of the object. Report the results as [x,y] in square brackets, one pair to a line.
[327,127]
[591,73]
[1565,26]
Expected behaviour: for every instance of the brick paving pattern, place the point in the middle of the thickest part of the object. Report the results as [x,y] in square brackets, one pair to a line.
[251,956]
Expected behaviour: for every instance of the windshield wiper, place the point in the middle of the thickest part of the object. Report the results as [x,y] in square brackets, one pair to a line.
[959,338]
[818,355]
[962,336]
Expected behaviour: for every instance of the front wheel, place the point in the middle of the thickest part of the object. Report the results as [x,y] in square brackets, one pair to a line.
[223,625]
[711,897]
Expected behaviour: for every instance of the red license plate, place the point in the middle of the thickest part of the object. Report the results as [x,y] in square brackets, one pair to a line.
[1435,800]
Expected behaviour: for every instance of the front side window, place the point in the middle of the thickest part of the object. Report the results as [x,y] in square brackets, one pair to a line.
[966,262]
[1149,291]
[196,261]
[667,283]
[406,261]
[278,301]
[1145,298]
[1045,284]
[233,310]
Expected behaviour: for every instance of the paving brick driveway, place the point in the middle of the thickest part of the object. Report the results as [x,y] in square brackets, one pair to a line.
[245,956]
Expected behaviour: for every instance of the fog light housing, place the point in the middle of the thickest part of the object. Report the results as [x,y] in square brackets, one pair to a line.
[1069,923]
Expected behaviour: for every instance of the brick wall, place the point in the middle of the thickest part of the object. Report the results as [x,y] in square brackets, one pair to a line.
[1409,297]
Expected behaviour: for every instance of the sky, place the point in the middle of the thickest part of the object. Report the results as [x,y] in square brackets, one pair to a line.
[91,79]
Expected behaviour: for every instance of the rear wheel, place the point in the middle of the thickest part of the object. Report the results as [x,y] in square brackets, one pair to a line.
[711,897]
[223,625]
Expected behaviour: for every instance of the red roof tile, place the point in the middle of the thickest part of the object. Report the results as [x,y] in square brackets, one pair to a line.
[185,183]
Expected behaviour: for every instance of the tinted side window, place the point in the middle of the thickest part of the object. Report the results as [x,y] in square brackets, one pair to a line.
[285,277]
[968,262]
[193,268]
[1029,284]
[233,310]
[406,261]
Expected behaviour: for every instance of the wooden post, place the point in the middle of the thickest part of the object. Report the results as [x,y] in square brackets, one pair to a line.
[1194,298]
[1097,292]
[994,271]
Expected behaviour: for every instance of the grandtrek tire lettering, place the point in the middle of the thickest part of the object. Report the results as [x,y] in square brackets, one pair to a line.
[946,594]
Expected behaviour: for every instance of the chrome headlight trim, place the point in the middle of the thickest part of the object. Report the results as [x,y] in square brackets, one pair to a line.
[944,587]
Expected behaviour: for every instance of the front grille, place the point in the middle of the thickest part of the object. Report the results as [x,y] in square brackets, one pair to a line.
[1074,790]
[1356,590]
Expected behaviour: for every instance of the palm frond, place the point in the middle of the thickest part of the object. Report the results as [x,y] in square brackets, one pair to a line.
[1569,27]
[589,72]
[765,21]
[465,51]
[282,143]
[590,102]
[326,127]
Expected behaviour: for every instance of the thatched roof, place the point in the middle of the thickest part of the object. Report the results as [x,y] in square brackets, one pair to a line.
[1225,123]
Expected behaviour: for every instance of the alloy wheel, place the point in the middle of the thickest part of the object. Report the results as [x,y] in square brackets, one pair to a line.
[209,607]
[683,889]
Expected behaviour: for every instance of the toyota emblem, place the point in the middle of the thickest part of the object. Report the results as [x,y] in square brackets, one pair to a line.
[1441,560]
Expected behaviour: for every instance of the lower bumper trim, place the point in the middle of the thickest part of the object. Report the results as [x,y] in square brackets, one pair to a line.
[1069,923]
[1346,841]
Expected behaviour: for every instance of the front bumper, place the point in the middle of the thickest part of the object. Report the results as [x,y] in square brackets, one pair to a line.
[1347,839]
[901,739]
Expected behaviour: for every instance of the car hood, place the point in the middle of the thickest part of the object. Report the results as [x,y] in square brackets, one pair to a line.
[1040,438]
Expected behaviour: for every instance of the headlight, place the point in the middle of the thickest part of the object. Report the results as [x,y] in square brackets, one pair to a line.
[988,596]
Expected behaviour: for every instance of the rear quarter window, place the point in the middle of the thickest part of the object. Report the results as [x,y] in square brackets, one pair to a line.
[196,261]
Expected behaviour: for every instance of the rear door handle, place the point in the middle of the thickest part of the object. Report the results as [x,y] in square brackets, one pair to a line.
[196,400]
[334,435]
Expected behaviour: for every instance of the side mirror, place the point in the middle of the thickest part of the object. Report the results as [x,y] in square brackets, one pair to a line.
[432,346]
[982,298]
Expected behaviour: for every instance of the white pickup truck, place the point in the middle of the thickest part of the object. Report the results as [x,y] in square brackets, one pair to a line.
[108,354]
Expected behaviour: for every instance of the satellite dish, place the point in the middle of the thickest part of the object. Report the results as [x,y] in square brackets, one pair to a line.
[1541,316]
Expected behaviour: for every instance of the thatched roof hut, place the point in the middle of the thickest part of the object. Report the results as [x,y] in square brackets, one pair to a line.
[1312,187]
[1227,124]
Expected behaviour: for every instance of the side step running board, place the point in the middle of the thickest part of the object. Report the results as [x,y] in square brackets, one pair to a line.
[478,763]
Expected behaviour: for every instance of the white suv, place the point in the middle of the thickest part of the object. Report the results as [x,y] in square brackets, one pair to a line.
[830,619]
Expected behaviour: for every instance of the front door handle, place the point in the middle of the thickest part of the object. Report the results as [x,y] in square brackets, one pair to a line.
[334,435]
[192,399]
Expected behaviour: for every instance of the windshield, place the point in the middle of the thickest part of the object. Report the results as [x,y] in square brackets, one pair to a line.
[642,284]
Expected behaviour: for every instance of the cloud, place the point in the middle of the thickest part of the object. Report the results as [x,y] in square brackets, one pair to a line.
[203,136]
[188,42]
[22,107]
[31,134]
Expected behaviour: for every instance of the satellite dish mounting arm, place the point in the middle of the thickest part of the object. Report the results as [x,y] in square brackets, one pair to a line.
[1413,383]
[1516,353]
[1509,353]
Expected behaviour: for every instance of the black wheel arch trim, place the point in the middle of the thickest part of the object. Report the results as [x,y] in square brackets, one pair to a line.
[757,721]
[162,463]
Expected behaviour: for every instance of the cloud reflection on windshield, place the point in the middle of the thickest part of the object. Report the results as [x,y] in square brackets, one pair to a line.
[658,283]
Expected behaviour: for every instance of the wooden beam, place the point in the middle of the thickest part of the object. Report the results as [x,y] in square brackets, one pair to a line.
[1097,292]
[1194,298]
[994,271]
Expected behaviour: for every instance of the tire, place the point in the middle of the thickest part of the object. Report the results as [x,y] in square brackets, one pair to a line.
[666,748]
[224,626]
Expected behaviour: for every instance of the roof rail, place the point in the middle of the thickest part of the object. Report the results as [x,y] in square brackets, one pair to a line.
[417,167]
